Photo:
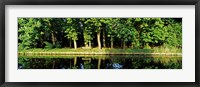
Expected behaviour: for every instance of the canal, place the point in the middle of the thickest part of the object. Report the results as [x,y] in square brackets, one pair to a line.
[99,62]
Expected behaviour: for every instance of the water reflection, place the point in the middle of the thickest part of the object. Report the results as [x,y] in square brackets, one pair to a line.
[99,62]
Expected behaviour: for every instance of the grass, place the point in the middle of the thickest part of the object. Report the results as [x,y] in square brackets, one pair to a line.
[166,50]
[107,50]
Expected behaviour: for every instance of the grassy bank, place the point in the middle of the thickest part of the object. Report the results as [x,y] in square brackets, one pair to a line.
[154,50]
[102,51]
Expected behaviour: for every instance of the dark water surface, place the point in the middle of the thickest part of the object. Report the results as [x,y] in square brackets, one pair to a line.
[99,62]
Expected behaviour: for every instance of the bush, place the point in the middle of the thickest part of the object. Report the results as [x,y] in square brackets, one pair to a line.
[58,45]
[147,46]
[48,45]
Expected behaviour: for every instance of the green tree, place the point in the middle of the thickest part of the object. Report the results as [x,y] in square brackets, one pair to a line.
[96,24]
[28,32]
[72,27]
[138,33]
[87,31]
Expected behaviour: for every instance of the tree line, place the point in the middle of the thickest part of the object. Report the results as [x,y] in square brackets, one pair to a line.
[138,33]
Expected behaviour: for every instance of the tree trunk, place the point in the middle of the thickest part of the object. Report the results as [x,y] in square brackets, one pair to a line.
[104,39]
[86,44]
[132,45]
[111,42]
[90,44]
[53,38]
[75,45]
[98,39]
[124,44]
[70,43]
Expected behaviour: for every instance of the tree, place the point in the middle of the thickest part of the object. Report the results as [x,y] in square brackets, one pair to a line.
[96,23]
[112,24]
[138,33]
[125,31]
[87,31]
[72,26]
[28,32]
[174,32]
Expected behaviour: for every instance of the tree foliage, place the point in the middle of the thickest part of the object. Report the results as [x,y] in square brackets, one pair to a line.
[138,33]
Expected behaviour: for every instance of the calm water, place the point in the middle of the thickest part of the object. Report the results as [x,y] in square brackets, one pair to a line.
[99,62]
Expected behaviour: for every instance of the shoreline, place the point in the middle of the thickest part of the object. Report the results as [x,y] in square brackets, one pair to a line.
[97,53]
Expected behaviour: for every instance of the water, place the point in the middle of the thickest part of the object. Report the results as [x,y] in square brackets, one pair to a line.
[99,62]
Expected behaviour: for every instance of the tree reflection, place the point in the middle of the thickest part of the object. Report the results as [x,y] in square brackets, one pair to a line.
[102,62]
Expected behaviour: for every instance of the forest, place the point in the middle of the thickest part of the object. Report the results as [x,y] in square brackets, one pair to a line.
[99,33]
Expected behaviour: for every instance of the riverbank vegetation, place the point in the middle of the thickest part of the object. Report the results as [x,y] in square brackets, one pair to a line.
[106,50]
[140,35]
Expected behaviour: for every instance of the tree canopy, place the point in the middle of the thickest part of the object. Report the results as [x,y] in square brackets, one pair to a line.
[136,33]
